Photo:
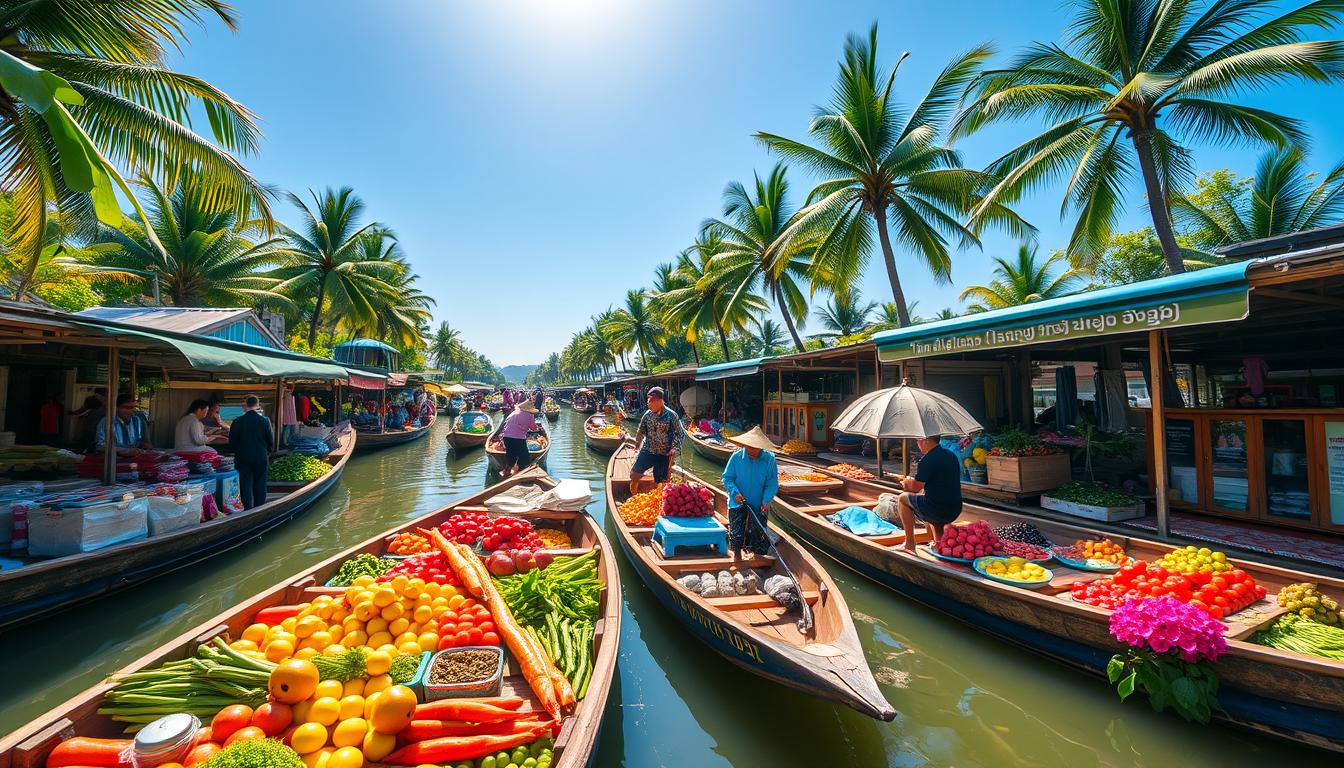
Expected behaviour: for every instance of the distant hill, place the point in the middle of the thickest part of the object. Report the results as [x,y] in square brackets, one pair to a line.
[514,374]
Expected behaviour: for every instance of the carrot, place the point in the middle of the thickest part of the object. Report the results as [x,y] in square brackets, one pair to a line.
[451,749]
[470,580]
[83,751]
[424,730]
[276,614]
[461,709]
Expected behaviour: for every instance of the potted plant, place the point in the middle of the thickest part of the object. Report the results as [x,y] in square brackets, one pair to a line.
[1022,463]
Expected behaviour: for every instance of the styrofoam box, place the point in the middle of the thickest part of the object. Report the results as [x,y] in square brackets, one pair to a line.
[172,513]
[60,532]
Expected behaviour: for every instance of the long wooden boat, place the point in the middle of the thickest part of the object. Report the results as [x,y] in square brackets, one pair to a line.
[369,441]
[587,406]
[603,444]
[495,449]
[576,745]
[1282,694]
[46,586]
[551,414]
[709,450]
[466,441]
[752,631]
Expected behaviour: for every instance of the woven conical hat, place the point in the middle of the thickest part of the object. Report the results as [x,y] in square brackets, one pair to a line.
[754,438]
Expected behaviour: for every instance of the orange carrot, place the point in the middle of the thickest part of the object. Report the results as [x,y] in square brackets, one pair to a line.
[423,730]
[451,749]
[470,581]
[465,709]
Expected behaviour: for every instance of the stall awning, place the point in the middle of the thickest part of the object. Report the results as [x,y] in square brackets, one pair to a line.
[730,370]
[226,357]
[396,379]
[1214,295]
[366,381]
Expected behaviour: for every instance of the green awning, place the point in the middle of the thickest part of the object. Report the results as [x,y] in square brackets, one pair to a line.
[231,357]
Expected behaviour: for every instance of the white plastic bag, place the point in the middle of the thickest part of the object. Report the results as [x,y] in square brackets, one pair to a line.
[887,508]
[569,495]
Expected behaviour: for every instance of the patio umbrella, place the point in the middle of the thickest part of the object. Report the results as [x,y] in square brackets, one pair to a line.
[694,397]
[456,389]
[904,412]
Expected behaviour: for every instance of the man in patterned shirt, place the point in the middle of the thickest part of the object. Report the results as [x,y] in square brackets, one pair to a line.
[659,439]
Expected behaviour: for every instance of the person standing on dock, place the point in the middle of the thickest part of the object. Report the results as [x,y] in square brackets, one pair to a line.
[659,439]
[518,427]
[933,495]
[751,479]
[251,436]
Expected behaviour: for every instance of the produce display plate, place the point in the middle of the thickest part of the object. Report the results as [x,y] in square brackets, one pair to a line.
[948,558]
[1082,565]
[979,568]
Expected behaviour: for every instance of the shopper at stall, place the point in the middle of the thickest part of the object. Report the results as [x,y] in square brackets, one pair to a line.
[933,495]
[659,437]
[251,436]
[518,426]
[751,479]
[130,429]
[190,433]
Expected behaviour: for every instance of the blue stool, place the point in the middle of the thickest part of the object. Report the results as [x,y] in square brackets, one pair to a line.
[673,532]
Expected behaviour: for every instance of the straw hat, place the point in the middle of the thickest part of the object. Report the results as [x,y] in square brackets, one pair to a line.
[754,438]
[526,405]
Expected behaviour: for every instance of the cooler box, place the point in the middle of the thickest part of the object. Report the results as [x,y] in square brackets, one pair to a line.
[172,513]
[225,487]
[84,528]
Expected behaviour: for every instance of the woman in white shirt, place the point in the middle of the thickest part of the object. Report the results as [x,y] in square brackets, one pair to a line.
[190,431]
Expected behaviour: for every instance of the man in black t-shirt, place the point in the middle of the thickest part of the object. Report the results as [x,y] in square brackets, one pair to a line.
[934,493]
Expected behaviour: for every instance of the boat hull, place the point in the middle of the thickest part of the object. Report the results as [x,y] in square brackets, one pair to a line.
[708,451]
[466,441]
[370,441]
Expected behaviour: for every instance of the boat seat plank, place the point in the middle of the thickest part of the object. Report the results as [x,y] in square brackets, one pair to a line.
[713,563]
[752,602]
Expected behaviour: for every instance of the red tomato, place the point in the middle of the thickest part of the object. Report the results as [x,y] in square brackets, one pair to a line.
[486,626]
[273,718]
[201,753]
[489,638]
[228,720]
[244,734]
[474,636]
[460,638]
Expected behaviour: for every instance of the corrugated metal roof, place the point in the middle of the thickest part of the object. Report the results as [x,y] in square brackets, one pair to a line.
[201,321]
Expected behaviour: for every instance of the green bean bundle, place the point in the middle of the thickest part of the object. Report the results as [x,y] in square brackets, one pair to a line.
[1296,634]
[215,678]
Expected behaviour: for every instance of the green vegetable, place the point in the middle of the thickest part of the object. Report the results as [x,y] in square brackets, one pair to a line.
[568,587]
[255,753]
[342,667]
[1299,635]
[215,678]
[404,667]
[1083,492]
[519,755]
[361,565]
[297,468]
[487,762]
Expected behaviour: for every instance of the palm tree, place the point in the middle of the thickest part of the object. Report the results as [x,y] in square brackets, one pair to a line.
[697,298]
[201,254]
[844,314]
[1283,197]
[85,90]
[752,251]
[1136,81]
[1022,282]
[634,326]
[446,350]
[886,171]
[769,336]
[328,258]
[602,324]
[400,310]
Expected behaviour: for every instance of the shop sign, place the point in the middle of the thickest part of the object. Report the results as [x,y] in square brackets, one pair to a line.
[1220,307]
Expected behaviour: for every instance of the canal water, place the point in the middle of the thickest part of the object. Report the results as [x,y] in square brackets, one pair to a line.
[964,699]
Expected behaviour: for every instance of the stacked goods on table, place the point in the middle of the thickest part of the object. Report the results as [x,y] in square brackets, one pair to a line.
[554,538]
[297,468]
[850,471]
[1023,532]
[802,477]
[1312,626]
[22,459]
[642,509]
[967,541]
[1095,553]
[92,466]
[1307,601]
[796,447]
[610,430]
[201,461]
[1014,569]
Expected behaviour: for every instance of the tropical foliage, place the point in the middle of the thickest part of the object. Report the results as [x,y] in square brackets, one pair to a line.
[1023,281]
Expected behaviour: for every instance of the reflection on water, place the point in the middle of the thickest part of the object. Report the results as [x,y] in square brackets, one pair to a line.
[964,699]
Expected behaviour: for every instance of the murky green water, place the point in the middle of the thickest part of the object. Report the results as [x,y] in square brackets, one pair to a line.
[964,699]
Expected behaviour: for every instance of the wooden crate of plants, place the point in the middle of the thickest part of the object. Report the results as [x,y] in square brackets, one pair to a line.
[1028,474]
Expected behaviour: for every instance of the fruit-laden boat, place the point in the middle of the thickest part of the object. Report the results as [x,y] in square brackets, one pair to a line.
[584,405]
[551,410]
[494,446]
[709,449]
[31,744]
[754,631]
[44,586]
[601,435]
[1283,694]
[465,440]
[372,440]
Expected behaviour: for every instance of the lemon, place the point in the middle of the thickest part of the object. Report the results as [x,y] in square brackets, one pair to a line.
[350,732]
[326,710]
[377,663]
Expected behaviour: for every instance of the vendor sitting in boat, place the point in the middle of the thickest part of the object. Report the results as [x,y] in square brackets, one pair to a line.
[751,478]
[130,430]
[934,494]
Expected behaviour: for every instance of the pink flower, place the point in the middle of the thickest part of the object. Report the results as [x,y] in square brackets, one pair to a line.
[1165,624]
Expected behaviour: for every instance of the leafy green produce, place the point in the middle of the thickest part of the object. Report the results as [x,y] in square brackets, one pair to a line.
[568,587]
[297,468]
[255,753]
[1299,635]
[361,565]
[1085,492]
[404,667]
[215,678]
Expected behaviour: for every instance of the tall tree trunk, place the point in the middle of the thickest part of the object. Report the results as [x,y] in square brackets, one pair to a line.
[695,352]
[897,295]
[723,341]
[1157,201]
[30,272]
[788,317]
[317,314]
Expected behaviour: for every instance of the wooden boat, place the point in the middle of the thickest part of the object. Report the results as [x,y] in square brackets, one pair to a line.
[709,450]
[551,414]
[1282,694]
[585,406]
[29,746]
[369,441]
[465,441]
[603,444]
[752,631]
[495,449]
[46,586]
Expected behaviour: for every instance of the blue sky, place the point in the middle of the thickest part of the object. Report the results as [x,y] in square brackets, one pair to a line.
[539,157]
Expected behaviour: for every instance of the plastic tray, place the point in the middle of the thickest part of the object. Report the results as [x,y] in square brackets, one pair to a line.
[1082,565]
[488,687]
[417,683]
[1049,574]
[948,558]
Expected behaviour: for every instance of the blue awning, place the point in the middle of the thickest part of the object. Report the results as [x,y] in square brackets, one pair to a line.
[1214,295]
[729,370]
[364,344]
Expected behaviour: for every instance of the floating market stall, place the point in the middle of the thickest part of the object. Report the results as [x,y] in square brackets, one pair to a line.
[603,435]
[470,430]
[538,445]
[514,651]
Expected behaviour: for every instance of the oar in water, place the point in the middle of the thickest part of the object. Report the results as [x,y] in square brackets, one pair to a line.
[772,538]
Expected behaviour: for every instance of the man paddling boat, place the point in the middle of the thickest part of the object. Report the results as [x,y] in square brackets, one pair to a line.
[751,478]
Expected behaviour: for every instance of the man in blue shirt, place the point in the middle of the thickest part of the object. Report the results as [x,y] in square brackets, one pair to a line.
[934,493]
[659,439]
[751,479]
[130,430]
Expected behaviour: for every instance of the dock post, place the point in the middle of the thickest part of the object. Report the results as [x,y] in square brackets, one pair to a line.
[110,415]
[1157,382]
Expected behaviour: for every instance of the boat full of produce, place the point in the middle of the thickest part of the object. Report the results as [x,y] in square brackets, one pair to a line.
[470,429]
[603,434]
[410,649]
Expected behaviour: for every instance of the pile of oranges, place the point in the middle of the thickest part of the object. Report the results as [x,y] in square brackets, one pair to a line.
[1103,549]
[409,544]
[643,508]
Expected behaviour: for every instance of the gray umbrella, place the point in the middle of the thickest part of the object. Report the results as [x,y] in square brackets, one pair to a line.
[905,412]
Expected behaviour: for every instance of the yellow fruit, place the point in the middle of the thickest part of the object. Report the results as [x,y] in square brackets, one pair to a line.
[306,653]
[350,732]
[355,638]
[365,610]
[352,706]
[368,704]
[318,759]
[256,633]
[300,711]
[335,649]
[326,710]
[331,688]
[293,681]
[388,648]
[243,645]
[377,663]
[346,757]
[378,745]
[409,647]
[398,625]
[279,650]
[456,602]
[289,624]
[354,687]
[432,589]
[384,597]
[379,639]
[308,625]
[393,710]
[429,641]
[375,625]
[377,683]
[422,613]
[399,583]
[392,612]
[364,581]
[309,737]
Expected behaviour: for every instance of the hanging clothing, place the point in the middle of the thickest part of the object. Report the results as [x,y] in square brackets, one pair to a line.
[1066,397]
[1112,400]
[1256,372]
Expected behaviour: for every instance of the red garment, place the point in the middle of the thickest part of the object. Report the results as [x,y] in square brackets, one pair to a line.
[49,419]
[305,407]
